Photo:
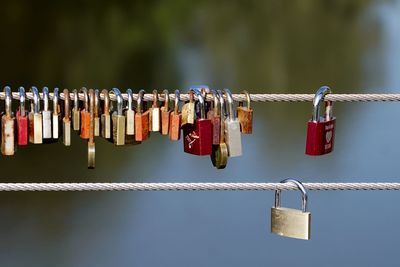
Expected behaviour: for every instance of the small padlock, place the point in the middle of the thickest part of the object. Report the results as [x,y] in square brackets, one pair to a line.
[219,156]
[155,114]
[213,114]
[198,137]
[85,115]
[291,222]
[46,116]
[96,112]
[118,120]
[233,137]
[66,119]
[188,111]
[8,126]
[76,114]
[105,116]
[35,119]
[175,120]
[91,145]
[56,115]
[165,113]
[245,115]
[130,121]
[321,130]
[141,119]
[22,119]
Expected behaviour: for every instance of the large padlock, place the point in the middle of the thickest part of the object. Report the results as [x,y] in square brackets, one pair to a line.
[291,222]
[197,138]
[321,130]
[233,137]
[22,119]
[8,126]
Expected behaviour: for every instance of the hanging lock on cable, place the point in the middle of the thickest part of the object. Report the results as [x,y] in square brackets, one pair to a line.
[321,130]
[76,114]
[118,119]
[175,120]
[165,113]
[85,115]
[66,119]
[245,115]
[198,137]
[219,156]
[35,119]
[142,119]
[291,222]
[214,115]
[188,111]
[8,146]
[105,116]
[233,136]
[96,118]
[155,114]
[56,115]
[22,119]
[91,145]
[130,116]
[46,116]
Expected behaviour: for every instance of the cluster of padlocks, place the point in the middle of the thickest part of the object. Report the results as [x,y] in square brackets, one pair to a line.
[209,127]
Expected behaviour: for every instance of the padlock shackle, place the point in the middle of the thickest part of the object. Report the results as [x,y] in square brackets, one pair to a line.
[120,101]
[166,99]
[200,98]
[139,101]
[130,98]
[67,102]
[300,186]
[36,100]
[45,92]
[85,98]
[176,102]
[222,116]
[56,96]
[248,99]
[318,99]
[96,103]
[76,99]
[92,100]
[216,104]
[8,100]
[22,98]
[106,104]
[229,98]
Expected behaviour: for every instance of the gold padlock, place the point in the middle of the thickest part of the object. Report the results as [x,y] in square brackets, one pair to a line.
[288,222]
[118,120]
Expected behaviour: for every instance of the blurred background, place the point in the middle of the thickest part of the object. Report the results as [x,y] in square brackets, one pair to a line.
[261,46]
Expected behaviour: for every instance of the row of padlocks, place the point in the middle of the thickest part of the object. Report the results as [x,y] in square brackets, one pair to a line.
[211,128]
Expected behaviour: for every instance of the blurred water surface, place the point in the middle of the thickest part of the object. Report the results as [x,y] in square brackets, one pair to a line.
[261,46]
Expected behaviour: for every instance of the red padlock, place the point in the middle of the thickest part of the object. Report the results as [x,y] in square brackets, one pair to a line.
[321,130]
[198,136]
[22,119]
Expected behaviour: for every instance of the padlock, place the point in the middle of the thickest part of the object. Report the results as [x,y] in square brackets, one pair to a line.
[105,116]
[141,119]
[321,130]
[85,115]
[198,137]
[188,111]
[46,116]
[130,121]
[233,137]
[56,115]
[289,222]
[165,113]
[219,156]
[204,90]
[175,120]
[155,114]
[118,119]
[66,119]
[35,119]
[213,114]
[245,115]
[96,112]
[8,126]
[76,114]
[22,119]
[91,145]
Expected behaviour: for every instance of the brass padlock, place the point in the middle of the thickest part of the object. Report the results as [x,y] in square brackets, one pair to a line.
[245,115]
[76,114]
[66,119]
[141,119]
[155,114]
[35,119]
[105,117]
[91,144]
[118,119]
[96,113]
[291,222]
[56,114]
[175,120]
[188,111]
[8,126]
[220,154]
[165,112]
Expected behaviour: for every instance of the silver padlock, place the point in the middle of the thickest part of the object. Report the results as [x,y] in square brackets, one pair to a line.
[46,114]
[56,114]
[130,115]
[233,137]
[289,222]
[118,119]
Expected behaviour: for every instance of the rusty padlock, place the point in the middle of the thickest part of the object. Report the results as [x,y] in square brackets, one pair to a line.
[321,130]
[197,138]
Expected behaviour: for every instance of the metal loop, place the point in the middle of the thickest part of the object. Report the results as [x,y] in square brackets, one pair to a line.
[130,99]
[120,100]
[22,97]
[56,96]
[8,101]
[201,101]
[35,106]
[300,186]
[139,101]
[318,99]
[231,111]
[85,98]
[45,92]
[176,102]
[166,99]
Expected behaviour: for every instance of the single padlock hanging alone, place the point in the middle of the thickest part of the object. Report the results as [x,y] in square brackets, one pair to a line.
[321,130]
[289,222]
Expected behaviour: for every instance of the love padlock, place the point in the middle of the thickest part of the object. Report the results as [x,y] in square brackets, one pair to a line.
[321,130]
[198,136]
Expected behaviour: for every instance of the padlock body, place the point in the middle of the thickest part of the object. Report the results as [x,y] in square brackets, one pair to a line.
[155,119]
[35,128]
[164,120]
[76,122]
[85,124]
[118,122]
[96,129]
[198,137]
[91,155]
[290,223]
[106,126]
[320,137]
[142,126]
[130,122]
[46,115]
[216,126]
[66,132]
[56,126]
[22,125]
[245,117]
[188,113]
[233,138]
[8,135]
[175,126]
